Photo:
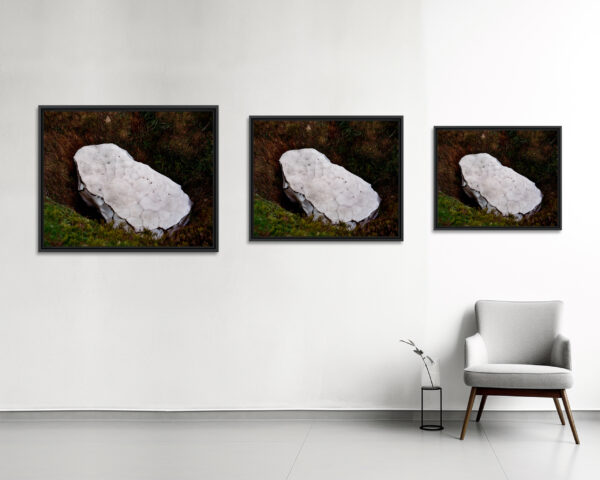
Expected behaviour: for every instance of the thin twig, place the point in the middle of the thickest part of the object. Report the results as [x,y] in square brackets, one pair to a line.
[424,357]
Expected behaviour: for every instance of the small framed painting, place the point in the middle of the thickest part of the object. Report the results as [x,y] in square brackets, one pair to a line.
[123,178]
[326,178]
[497,178]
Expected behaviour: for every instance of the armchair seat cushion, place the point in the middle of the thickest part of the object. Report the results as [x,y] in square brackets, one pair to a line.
[509,375]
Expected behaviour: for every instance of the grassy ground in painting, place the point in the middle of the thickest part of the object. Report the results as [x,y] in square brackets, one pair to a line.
[369,149]
[271,220]
[64,227]
[532,153]
[177,144]
[454,213]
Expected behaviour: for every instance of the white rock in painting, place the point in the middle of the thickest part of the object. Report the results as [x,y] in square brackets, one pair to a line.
[327,191]
[129,193]
[497,188]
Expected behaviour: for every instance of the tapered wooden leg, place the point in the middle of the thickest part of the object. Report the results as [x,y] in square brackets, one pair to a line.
[563,394]
[468,413]
[481,407]
[559,410]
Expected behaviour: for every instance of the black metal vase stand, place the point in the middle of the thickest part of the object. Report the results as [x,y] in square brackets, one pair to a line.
[431,427]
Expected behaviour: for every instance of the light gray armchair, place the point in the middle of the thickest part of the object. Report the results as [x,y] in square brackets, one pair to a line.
[518,351]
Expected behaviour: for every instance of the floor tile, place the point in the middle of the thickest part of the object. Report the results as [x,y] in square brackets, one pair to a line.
[545,450]
[361,450]
[149,450]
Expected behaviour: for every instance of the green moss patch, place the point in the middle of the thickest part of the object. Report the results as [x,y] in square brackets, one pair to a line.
[453,213]
[64,227]
[271,220]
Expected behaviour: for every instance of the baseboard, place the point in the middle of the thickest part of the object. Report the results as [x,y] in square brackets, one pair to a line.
[281,415]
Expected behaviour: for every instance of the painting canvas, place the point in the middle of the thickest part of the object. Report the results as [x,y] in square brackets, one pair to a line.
[498,178]
[326,178]
[128,178]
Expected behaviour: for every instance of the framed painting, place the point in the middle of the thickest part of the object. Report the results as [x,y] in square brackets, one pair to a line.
[326,178]
[497,178]
[128,178]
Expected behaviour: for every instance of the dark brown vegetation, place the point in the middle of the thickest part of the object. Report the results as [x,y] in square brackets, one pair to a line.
[177,144]
[367,148]
[533,153]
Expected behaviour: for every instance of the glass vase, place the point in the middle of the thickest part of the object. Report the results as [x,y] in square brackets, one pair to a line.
[430,374]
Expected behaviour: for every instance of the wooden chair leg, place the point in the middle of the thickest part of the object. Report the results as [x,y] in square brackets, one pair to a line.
[481,407]
[559,410]
[468,413]
[563,394]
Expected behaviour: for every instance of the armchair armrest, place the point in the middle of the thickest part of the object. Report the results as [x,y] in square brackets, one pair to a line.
[561,352]
[475,351]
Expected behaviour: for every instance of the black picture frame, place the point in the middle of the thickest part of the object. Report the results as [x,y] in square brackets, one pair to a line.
[557,227]
[214,109]
[400,206]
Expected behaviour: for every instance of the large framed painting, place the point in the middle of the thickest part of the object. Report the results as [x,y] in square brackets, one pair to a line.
[497,178]
[122,178]
[325,178]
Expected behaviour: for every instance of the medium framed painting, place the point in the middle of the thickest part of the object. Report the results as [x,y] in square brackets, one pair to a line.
[326,178]
[497,178]
[123,178]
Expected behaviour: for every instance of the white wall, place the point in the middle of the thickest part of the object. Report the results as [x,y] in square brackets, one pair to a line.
[283,325]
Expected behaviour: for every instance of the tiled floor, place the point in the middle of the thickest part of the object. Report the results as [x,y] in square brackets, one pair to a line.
[296,450]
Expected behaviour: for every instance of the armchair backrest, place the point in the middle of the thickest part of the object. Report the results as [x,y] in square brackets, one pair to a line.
[518,332]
